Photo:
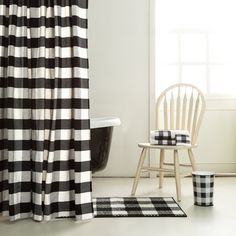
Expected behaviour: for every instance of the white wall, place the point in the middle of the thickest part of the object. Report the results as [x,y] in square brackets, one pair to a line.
[216,149]
[119,86]
[217,140]
[118,53]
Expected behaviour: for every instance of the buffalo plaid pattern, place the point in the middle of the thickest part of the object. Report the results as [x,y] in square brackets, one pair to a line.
[164,138]
[44,110]
[136,207]
[170,137]
[203,188]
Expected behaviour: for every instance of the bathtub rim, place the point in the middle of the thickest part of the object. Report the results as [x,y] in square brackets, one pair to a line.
[101,122]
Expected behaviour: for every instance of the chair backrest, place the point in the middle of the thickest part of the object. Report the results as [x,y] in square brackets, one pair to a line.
[181,106]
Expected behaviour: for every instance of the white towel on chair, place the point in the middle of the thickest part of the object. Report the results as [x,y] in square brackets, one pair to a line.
[170,137]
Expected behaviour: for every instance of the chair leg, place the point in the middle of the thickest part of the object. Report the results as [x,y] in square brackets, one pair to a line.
[177,175]
[138,172]
[161,173]
[192,159]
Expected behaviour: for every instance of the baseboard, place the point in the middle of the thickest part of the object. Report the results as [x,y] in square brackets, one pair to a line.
[221,169]
[168,176]
[218,167]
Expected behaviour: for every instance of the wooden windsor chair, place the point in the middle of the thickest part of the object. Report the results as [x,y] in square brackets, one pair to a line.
[179,107]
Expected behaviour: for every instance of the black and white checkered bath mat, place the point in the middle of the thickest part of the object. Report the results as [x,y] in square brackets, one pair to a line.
[137,207]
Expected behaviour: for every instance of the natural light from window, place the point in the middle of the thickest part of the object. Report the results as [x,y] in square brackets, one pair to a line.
[196,43]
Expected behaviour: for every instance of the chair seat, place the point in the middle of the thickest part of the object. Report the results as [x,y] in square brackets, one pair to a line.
[170,147]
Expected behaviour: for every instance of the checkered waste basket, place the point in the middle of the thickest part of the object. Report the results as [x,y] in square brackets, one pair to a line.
[203,188]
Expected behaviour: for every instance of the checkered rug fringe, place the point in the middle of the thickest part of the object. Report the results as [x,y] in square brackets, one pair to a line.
[137,207]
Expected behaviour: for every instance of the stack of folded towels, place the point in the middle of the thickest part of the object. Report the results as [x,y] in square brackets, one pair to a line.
[170,137]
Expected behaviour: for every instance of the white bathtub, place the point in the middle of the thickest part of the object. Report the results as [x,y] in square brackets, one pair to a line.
[104,122]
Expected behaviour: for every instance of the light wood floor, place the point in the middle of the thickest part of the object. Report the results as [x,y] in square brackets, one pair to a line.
[217,220]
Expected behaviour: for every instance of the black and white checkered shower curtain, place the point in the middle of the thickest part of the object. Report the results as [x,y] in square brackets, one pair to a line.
[44,110]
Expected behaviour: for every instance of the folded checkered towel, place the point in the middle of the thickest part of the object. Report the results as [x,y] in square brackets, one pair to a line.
[170,137]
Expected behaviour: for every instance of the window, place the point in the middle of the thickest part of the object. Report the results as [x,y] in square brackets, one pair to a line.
[196,43]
